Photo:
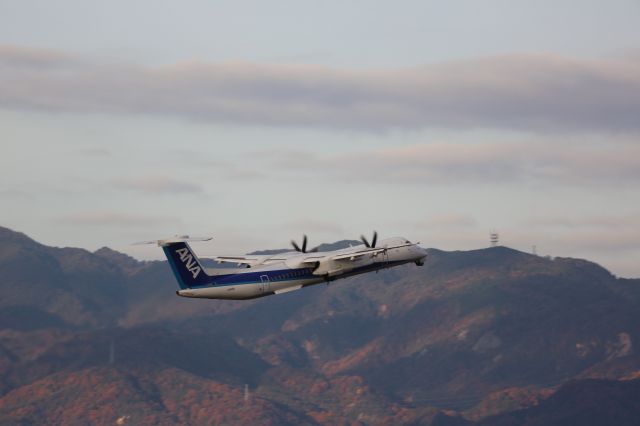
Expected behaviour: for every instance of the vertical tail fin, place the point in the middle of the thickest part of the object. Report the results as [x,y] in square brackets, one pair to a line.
[185,265]
[183,261]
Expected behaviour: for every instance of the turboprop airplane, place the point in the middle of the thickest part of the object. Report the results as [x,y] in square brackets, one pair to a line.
[264,275]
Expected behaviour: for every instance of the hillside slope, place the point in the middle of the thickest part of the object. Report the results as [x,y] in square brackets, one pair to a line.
[469,335]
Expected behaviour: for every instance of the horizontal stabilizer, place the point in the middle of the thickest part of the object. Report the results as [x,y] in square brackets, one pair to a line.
[173,240]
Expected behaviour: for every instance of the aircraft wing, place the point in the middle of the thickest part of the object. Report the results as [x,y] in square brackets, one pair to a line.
[235,259]
[358,254]
[243,260]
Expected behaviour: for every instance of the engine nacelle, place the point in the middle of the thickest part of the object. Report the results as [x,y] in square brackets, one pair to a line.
[332,268]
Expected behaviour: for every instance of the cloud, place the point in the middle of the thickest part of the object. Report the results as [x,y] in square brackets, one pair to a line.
[15,195]
[100,218]
[448,221]
[93,152]
[508,162]
[29,57]
[157,185]
[313,226]
[538,92]
[603,222]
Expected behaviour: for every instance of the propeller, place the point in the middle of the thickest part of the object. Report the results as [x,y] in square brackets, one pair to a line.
[303,249]
[373,240]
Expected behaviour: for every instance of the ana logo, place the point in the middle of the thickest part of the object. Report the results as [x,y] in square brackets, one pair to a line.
[189,261]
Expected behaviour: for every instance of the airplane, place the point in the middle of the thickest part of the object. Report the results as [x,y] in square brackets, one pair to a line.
[265,275]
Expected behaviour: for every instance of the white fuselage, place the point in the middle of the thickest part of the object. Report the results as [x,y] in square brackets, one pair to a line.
[286,272]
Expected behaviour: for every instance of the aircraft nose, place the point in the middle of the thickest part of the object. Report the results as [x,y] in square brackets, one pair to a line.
[420,253]
[423,252]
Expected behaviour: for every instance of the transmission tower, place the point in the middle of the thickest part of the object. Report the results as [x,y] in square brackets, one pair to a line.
[494,238]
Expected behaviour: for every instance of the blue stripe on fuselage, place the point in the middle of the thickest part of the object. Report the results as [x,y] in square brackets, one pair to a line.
[278,275]
[282,275]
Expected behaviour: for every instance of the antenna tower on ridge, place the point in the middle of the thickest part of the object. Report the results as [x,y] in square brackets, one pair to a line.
[494,238]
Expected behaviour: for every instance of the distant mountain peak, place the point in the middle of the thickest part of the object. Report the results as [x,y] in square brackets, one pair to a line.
[120,259]
[322,247]
[9,235]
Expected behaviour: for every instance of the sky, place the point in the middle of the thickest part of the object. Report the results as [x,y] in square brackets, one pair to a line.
[256,122]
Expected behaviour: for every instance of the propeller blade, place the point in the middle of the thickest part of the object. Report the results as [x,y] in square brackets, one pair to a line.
[374,239]
[302,249]
[364,240]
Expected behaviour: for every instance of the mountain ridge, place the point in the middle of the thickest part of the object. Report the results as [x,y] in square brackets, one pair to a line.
[471,334]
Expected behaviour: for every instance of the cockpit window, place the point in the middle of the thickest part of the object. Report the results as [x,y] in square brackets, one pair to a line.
[407,242]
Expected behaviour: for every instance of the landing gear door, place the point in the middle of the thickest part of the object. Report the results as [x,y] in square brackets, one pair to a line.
[265,284]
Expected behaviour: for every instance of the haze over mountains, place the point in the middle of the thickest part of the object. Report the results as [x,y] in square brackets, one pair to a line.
[491,337]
